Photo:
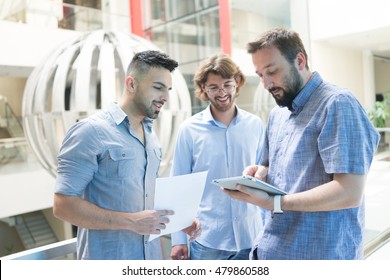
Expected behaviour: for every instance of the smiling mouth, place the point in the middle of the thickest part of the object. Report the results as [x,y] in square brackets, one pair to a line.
[223,99]
[276,92]
[158,105]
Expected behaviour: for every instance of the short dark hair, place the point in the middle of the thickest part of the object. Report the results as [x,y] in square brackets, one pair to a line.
[287,42]
[143,61]
[219,64]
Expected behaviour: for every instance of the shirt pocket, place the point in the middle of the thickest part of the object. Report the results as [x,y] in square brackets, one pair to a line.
[119,162]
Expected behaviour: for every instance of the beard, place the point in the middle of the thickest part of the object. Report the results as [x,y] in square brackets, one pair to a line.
[151,112]
[292,84]
[146,107]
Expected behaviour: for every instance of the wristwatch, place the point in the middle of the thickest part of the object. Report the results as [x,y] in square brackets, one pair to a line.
[277,205]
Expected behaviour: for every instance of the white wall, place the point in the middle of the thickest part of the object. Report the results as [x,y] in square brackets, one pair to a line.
[27,45]
[339,66]
[351,66]
[330,18]
[382,75]
[24,191]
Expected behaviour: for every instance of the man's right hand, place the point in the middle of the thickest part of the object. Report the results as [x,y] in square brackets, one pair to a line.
[179,252]
[149,221]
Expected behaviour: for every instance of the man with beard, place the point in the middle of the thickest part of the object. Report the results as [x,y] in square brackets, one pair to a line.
[222,139]
[107,168]
[319,147]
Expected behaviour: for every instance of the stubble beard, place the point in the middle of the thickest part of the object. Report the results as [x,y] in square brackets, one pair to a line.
[291,88]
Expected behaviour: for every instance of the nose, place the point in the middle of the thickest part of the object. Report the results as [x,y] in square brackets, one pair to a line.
[221,91]
[267,82]
[165,96]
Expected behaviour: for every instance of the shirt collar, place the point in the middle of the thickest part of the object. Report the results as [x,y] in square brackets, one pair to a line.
[208,117]
[116,113]
[304,95]
[119,116]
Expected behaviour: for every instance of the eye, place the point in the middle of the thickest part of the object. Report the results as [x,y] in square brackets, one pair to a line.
[158,87]
[228,86]
[271,72]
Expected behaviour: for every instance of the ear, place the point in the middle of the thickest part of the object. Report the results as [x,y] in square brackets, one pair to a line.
[238,80]
[130,83]
[204,95]
[301,61]
[202,87]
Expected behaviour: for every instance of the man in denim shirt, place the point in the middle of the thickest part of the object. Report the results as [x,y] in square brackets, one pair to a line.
[319,148]
[107,168]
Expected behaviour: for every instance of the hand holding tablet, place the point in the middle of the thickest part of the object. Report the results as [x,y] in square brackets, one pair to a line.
[249,181]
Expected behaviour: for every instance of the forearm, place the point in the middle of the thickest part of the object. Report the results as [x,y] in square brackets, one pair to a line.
[84,214]
[344,191]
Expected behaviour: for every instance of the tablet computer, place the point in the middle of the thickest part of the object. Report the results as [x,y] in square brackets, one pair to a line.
[249,181]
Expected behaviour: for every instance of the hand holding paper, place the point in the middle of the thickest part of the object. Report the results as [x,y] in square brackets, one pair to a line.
[182,194]
[150,221]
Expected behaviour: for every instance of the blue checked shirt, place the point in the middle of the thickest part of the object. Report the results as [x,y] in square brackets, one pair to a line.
[326,132]
[206,144]
[102,161]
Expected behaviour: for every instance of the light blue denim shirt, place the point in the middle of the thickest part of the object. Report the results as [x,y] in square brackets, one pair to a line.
[326,132]
[206,144]
[103,161]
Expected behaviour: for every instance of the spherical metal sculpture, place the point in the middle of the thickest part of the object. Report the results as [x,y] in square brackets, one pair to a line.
[84,76]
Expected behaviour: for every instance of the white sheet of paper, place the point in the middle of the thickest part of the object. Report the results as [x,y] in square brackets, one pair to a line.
[181,194]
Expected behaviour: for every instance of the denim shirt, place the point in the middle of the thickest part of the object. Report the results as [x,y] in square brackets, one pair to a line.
[326,132]
[103,161]
[203,144]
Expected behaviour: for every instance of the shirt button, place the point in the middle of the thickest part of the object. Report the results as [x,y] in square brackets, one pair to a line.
[146,195]
[123,155]
[146,242]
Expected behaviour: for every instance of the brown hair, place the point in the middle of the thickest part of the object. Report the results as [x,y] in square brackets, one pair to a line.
[287,42]
[219,64]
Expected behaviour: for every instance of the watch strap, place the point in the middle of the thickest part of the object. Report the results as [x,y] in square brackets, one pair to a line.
[277,204]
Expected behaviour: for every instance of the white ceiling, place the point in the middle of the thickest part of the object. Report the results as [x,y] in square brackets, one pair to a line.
[378,41]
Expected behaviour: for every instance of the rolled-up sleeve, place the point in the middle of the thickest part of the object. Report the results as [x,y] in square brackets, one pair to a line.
[77,160]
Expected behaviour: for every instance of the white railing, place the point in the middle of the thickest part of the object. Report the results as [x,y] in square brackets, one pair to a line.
[67,249]
[378,242]
[60,250]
